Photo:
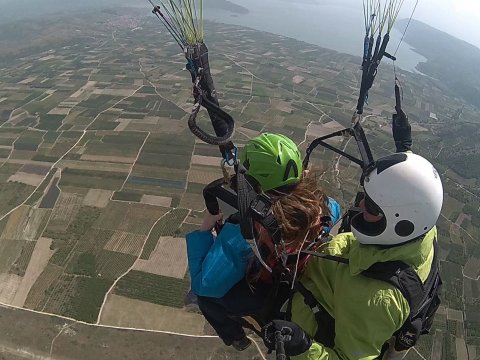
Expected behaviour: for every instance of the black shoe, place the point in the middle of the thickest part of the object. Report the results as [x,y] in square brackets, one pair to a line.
[241,344]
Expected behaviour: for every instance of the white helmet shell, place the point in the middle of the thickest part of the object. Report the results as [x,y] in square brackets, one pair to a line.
[407,190]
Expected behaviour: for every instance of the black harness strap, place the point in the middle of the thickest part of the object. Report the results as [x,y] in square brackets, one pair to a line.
[422,298]
[325,322]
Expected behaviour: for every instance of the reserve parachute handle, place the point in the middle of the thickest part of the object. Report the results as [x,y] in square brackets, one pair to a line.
[185,23]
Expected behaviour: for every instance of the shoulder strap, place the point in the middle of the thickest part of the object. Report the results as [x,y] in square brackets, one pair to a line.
[423,298]
[325,322]
[406,279]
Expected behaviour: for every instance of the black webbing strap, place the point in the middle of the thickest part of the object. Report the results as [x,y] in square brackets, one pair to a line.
[422,298]
[246,194]
[205,95]
[325,322]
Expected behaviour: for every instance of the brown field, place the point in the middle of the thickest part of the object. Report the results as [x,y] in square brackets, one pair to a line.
[249,133]
[297,79]
[39,260]
[194,219]
[168,259]
[193,201]
[125,312]
[26,161]
[126,243]
[9,284]
[158,172]
[28,335]
[91,165]
[28,179]
[59,111]
[156,200]
[25,155]
[318,130]
[36,296]
[106,158]
[454,314]
[90,85]
[461,348]
[140,218]
[97,198]
[122,124]
[114,92]
[16,223]
[203,174]
[205,160]
[472,267]
[163,125]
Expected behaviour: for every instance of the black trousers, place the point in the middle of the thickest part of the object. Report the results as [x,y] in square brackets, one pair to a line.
[225,314]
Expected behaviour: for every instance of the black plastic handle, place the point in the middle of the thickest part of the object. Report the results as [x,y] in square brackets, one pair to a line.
[221,121]
[216,190]
[279,346]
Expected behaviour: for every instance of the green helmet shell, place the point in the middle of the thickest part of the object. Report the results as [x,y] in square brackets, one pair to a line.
[273,160]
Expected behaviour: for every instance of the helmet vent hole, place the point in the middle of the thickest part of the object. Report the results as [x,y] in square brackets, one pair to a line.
[397,215]
[279,161]
[425,228]
[404,228]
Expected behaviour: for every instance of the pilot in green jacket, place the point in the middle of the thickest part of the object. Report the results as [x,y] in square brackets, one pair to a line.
[402,203]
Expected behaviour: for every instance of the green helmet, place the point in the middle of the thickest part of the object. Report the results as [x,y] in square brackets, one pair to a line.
[273,160]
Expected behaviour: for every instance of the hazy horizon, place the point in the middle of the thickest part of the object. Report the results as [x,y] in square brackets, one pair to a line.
[455,17]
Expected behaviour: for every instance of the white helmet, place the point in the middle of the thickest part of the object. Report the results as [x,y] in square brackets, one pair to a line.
[406,189]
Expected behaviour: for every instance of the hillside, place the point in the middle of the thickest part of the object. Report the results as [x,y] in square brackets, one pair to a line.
[450,60]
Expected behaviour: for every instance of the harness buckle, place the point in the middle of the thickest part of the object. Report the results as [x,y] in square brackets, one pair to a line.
[230,156]
[225,172]
[261,206]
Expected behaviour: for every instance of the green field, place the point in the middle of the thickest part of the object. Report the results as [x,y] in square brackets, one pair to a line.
[169,225]
[95,179]
[153,288]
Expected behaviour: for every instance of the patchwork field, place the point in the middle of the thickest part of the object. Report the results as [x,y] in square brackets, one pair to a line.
[50,337]
[101,179]
[168,259]
[125,312]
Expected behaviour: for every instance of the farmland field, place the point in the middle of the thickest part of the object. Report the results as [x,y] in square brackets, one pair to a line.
[168,259]
[122,311]
[101,177]
[168,225]
[153,288]
[26,331]
[126,243]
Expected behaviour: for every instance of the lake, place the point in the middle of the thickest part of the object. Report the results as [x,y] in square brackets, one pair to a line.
[336,25]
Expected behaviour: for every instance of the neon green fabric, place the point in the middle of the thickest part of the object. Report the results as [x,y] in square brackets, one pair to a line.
[273,160]
[366,311]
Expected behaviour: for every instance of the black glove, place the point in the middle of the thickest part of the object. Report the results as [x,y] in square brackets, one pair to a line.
[296,341]
[402,131]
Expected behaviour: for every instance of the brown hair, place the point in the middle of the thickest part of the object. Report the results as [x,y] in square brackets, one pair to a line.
[299,214]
